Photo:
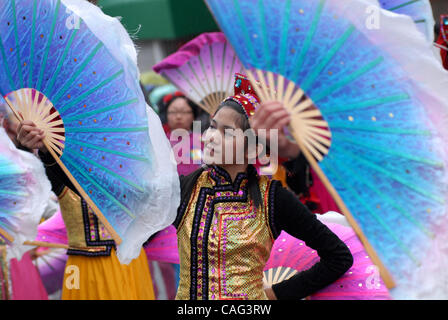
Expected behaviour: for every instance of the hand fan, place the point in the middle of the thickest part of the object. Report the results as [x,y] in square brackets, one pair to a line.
[50,263]
[72,70]
[419,10]
[203,69]
[163,246]
[361,282]
[358,115]
[52,231]
[24,191]
[50,257]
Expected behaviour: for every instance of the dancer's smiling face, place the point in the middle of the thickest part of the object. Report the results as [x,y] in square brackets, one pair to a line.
[229,139]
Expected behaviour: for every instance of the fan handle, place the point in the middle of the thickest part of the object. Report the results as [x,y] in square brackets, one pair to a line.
[46,244]
[5,234]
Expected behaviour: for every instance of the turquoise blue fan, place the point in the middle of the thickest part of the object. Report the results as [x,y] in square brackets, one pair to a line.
[72,70]
[24,195]
[358,116]
[419,10]
[13,194]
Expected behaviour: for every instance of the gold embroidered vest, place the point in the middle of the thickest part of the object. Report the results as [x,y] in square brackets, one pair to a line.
[86,234]
[224,243]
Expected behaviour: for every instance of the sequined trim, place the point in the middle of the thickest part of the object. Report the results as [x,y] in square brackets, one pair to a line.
[223,262]
[222,192]
[204,213]
[222,177]
[96,246]
[271,206]
[180,213]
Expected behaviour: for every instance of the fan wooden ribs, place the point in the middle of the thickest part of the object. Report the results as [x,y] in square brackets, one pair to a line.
[307,122]
[207,76]
[30,104]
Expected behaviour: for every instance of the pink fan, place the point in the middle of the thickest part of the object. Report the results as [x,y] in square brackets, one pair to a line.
[361,282]
[203,69]
[163,247]
[50,262]
[52,230]
[51,255]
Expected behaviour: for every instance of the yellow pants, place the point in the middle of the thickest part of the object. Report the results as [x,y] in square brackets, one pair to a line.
[105,278]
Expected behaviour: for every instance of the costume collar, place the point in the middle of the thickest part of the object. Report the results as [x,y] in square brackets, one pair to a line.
[222,177]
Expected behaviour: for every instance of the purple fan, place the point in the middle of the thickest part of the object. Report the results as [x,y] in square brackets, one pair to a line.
[163,247]
[53,230]
[203,69]
[362,282]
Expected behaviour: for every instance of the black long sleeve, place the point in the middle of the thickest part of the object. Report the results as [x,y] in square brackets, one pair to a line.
[55,174]
[298,175]
[293,217]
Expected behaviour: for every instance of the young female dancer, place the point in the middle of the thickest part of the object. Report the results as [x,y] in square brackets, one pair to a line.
[229,217]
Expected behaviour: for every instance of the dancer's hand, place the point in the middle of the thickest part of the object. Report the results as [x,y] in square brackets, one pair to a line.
[30,136]
[273,116]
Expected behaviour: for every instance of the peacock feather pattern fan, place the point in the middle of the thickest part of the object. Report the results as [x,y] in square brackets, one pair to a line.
[24,194]
[72,70]
[359,116]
